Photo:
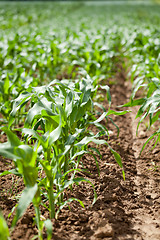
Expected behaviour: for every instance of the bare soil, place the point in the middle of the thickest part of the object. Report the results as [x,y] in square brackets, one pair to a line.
[124,210]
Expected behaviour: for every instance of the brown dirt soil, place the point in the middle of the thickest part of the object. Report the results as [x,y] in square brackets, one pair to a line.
[124,210]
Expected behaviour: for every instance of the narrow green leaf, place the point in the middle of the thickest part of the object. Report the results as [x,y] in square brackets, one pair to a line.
[138,85]
[55,134]
[12,171]
[7,151]
[133,103]
[118,113]
[6,85]
[80,153]
[4,230]
[12,138]
[26,198]
[100,118]
[149,139]
[87,140]
[117,157]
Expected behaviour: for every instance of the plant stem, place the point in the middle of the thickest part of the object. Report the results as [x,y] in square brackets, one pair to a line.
[51,200]
[50,190]
[66,166]
[40,236]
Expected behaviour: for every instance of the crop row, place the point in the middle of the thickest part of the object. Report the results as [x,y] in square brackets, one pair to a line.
[55,134]
[144,56]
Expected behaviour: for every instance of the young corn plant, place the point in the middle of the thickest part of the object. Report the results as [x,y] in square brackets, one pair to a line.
[63,102]
[24,158]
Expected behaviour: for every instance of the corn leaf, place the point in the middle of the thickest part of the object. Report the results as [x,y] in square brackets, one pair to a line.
[26,198]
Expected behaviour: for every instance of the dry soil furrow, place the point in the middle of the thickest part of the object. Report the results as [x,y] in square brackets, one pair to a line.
[147,217]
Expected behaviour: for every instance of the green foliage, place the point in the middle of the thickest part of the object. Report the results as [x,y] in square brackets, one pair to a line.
[48,122]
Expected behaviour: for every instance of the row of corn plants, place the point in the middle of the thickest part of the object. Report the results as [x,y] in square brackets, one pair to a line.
[55,135]
[144,56]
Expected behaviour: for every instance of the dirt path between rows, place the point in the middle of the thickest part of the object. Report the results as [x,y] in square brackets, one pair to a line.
[147,218]
[146,195]
[125,210]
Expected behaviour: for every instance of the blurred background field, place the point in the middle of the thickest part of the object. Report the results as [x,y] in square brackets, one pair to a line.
[49,16]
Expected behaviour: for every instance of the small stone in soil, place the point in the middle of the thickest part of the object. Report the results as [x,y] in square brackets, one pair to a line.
[106,231]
